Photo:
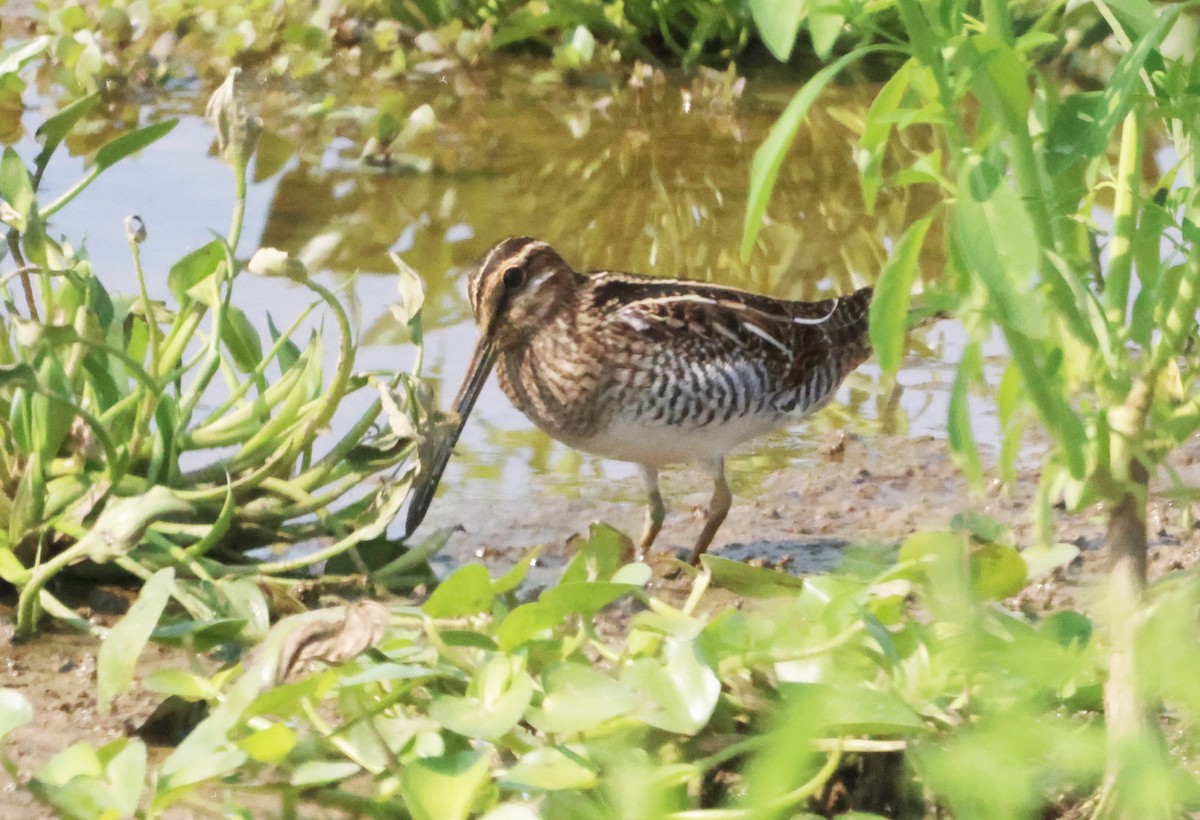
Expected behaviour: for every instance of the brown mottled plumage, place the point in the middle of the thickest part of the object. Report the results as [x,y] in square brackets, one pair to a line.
[652,371]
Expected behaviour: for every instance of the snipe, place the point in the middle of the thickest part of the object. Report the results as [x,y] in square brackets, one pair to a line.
[652,371]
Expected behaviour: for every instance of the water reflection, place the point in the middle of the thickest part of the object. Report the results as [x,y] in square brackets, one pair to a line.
[651,179]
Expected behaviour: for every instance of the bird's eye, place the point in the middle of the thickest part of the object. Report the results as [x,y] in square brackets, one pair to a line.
[514,277]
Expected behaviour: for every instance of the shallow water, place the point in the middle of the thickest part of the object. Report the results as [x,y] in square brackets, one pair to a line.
[650,179]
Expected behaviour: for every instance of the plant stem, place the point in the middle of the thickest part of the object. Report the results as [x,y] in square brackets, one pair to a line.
[1127,723]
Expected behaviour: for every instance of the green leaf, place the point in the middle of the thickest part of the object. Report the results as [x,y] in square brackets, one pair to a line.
[1041,560]
[289,352]
[241,339]
[181,683]
[1084,124]
[496,700]
[84,782]
[578,698]
[314,772]
[877,131]
[778,23]
[16,187]
[194,268]
[15,711]
[995,237]
[825,25]
[751,582]
[270,745]
[1000,80]
[548,769]
[893,294]
[467,591]
[14,57]
[584,599]
[513,578]
[768,159]
[857,709]
[444,788]
[55,129]
[597,557]
[958,422]
[678,692]
[997,571]
[52,417]
[131,143]
[526,622]
[121,649]
[1067,628]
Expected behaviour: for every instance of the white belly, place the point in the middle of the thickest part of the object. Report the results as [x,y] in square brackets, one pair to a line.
[659,444]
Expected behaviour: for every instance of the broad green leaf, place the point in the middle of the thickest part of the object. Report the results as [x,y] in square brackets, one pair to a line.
[288,353]
[550,768]
[241,339]
[893,293]
[52,417]
[444,788]
[194,268]
[752,582]
[496,700]
[769,157]
[181,683]
[513,578]
[877,132]
[16,187]
[11,568]
[131,143]
[1000,80]
[997,571]
[995,237]
[467,591]
[1041,560]
[525,623]
[778,23]
[125,772]
[314,772]
[584,599]
[120,651]
[598,556]
[1067,628]
[1084,124]
[825,24]
[269,745]
[578,698]
[928,544]
[857,709]
[55,129]
[85,782]
[678,691]
[15,711]
[14,57]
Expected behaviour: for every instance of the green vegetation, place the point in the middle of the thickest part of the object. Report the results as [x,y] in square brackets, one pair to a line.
[103,449]
[900,685]
[1104,358]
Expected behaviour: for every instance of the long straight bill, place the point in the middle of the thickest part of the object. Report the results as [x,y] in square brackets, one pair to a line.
[477,374]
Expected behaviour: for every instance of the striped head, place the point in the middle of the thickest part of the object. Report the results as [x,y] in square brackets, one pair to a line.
[516,288]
